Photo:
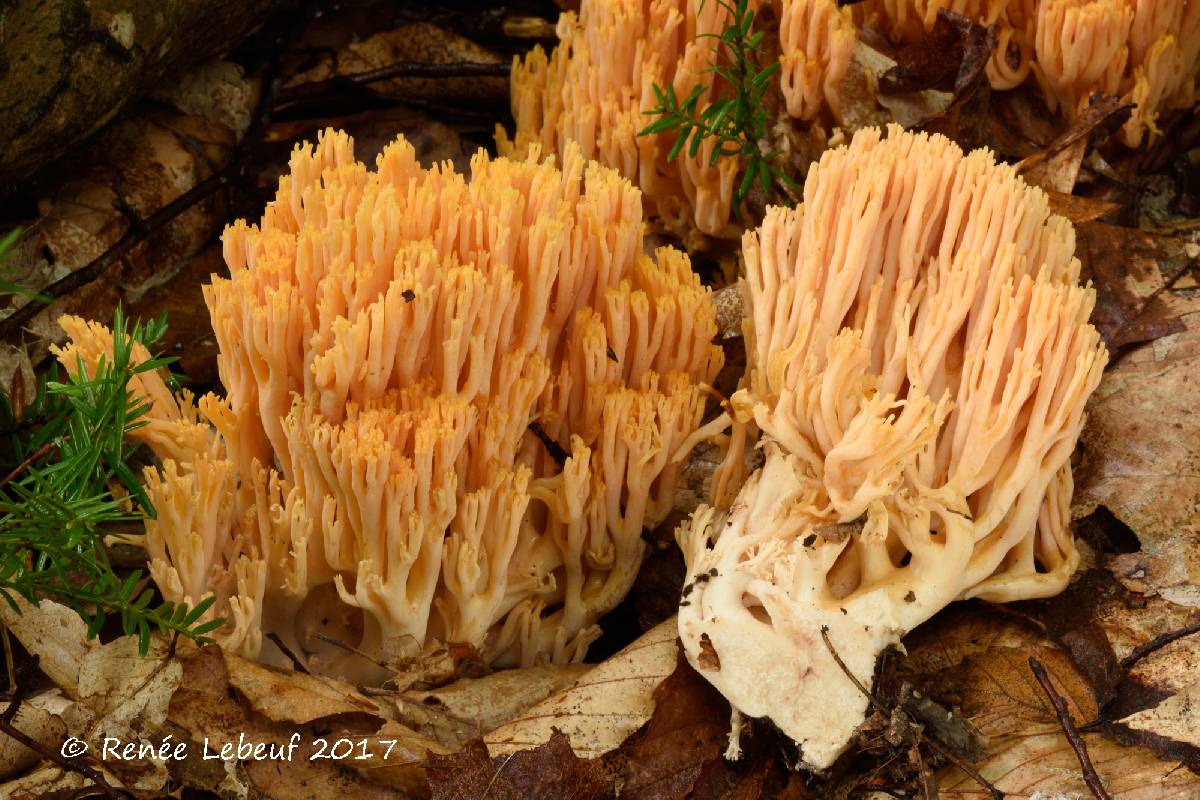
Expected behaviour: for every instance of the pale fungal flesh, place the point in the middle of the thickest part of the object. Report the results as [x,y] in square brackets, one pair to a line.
[919,358]
[387,338]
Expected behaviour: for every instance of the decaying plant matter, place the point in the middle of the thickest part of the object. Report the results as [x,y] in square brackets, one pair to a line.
[919,359]
[388,339]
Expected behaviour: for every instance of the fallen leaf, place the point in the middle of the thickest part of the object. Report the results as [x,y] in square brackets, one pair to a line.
[1133,303]
[138,165]
[1079,209]
[129,695]
[689,730]
[1042,767]
[1056,166]
[548,772]
[471,707]
[218,91]
[211,713]
[39,717]
[950,58]
[45,781]
[56,635]
[293,696]
[415,42]
[1141,460]
[607,704]
[975,658]
[1176,718]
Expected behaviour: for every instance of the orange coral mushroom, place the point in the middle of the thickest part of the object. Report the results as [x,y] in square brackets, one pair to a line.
[387,338]
[919,359]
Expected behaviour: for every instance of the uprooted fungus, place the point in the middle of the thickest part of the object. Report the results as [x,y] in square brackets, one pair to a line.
[386,339]
[919,358]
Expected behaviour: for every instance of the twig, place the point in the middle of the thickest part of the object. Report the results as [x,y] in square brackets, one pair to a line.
[1157,643]
[136,234]
[401,69]
[8,660]
[50,754]
[553,448]
[297,664]
[1124,349]
[349,649]
[38,454]
[945,752]
[128,241]
[1090,777]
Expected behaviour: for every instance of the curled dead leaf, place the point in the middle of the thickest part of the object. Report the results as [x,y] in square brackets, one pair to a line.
[607,704]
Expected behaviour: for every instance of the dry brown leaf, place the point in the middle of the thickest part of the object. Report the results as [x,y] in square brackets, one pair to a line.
[975,658]
[1042,767]
[139,164]
[1177,718]
[127,695]
[607,704]
[551,771]
[43,782]
[416,42]
[689,731]
[1128,626]
[1057,165]
[471,707]
[56,635]
[219,91]
[293,696]
[1133,301]
[1079,209]
[1142,461]
[950,58]
[208,709]
[39,717]
[863,105]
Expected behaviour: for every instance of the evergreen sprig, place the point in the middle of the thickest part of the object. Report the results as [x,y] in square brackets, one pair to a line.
[68,482]
[738,121]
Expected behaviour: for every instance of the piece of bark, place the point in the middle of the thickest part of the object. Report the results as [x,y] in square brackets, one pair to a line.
[68,67]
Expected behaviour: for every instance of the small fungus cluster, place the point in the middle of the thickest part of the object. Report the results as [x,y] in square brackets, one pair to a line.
[449,413]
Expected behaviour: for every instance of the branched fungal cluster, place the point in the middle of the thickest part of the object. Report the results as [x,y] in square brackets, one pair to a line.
[919,359]
[387,338]
[616,57]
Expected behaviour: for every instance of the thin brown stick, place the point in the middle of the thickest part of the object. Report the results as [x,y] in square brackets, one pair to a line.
[1157,643]
[76,765]
[553,448]
[1168,285]
[1090,776]
[945,752]
[8,660]
[38,454]
[297,664]
[138,233]
[348,648]
[401,69]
